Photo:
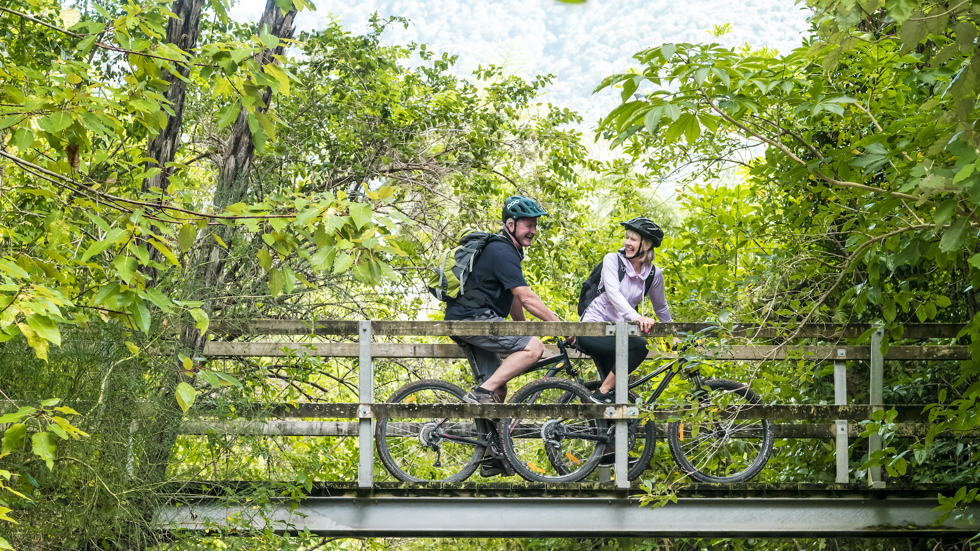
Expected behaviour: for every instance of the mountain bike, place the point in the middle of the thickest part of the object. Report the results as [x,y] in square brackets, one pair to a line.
[450,449]
[713,441]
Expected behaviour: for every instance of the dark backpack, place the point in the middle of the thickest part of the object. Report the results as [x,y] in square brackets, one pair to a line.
[591,290]
[454,268]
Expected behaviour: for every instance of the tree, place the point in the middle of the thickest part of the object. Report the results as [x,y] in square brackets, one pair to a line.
[860,206]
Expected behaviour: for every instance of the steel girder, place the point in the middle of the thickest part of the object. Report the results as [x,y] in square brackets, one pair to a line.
[574,517]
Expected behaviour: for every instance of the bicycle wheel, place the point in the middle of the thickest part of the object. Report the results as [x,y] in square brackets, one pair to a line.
[543,449]
[642,437]
[430,450]
[717,445]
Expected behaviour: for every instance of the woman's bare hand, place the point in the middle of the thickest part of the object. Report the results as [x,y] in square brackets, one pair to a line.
[645,323]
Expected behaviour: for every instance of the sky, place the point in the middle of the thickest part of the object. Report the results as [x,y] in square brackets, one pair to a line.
[578,43]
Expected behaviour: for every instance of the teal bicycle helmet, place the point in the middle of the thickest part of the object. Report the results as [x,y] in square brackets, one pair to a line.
[518,206]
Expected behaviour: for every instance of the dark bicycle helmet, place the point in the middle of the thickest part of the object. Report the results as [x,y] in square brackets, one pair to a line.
[646,228]
[518,206]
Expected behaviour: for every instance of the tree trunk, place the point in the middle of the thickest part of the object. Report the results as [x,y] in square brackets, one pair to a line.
[183,33]
[206,273]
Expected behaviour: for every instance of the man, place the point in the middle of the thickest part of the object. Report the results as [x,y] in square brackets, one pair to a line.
[496,289]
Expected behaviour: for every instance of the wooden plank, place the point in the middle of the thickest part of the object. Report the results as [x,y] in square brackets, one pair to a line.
[448,328]
[798,412]
[350,428]
[416,328]
[435,350]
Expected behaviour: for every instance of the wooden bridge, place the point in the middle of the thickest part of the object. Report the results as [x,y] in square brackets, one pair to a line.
[366,508]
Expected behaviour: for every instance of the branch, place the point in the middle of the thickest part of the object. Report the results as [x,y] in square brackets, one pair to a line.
[798,138]
[951,10]
[99,44]
[159,206]
[847,267]
[818,174]
[878,126]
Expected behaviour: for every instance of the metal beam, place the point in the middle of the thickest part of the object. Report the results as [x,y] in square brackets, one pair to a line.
[574,517]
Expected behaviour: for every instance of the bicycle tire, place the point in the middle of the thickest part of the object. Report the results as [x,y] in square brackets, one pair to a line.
[728,450]
[534,445]
[424,450]
[644,429]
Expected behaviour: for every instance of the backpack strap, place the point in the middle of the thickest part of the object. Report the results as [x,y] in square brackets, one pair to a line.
[649,282]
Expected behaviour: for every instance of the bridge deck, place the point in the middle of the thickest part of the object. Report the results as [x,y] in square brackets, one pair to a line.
[592,510]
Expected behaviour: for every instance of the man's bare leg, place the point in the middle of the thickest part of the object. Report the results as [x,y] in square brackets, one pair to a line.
[512,366]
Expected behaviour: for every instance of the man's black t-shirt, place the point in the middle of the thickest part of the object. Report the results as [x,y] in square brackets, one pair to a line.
[496,270]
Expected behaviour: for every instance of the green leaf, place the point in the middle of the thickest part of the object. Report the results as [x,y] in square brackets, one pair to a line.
[228,379]
[966,34]
[265,259]
[43,447]
[953,237]
[161,300]
[7,122]
[342,262]
[85,45]
[321,260]
[944,212]
[227,115]
[13,438]
[210,378]
[187,236]
[361,214]
[900,10]
[55,122]
[23,139]
[105,292]
[97,247]
[201,319]
[13,269]
[265,36]
[45,327]
[692,130]
[963,173]
[275,282]
[668,50]
[912,33]
[303,218]
[652,119]
[280,75]
[11,417]
[125,266]
[185,396]
[141,315]
[677,128]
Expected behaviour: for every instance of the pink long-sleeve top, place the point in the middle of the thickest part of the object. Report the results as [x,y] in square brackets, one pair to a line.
[615,304]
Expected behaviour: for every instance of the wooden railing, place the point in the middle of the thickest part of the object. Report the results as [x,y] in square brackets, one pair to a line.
[911,416]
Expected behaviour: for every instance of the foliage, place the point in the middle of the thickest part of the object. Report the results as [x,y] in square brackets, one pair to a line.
[859,153]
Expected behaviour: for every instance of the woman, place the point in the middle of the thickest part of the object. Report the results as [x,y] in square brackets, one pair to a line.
[619,298]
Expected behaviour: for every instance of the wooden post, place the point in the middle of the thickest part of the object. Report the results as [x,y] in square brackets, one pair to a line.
[840,398]
[876,395]
[365,393]
[622,397]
